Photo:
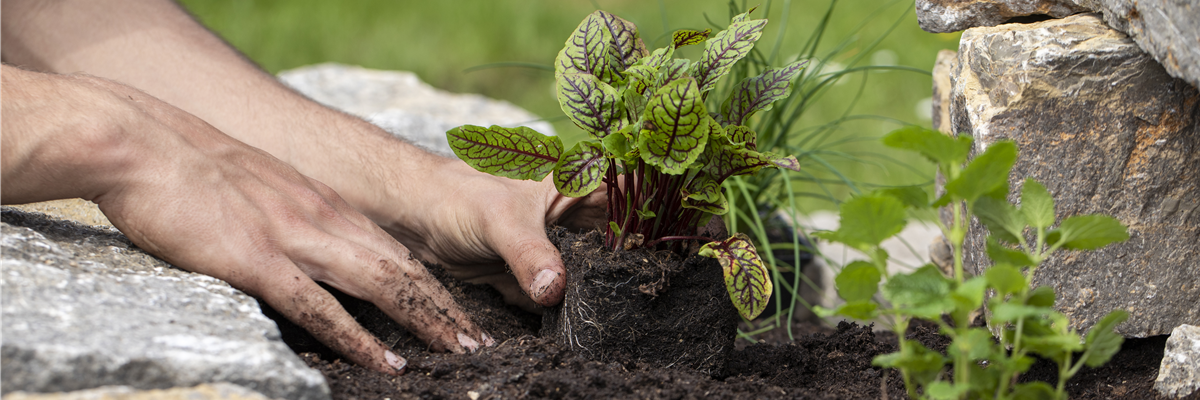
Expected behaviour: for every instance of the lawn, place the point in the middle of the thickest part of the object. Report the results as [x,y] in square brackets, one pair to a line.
[502,49]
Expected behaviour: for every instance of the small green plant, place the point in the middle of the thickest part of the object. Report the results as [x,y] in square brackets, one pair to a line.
[660,153]
[1019,239]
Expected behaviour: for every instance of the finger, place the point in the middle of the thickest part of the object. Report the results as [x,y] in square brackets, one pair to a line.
[533,260]
[304,303]
[400,286]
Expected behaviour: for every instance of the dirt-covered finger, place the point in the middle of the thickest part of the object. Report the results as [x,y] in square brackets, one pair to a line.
[533,259]
[303,302]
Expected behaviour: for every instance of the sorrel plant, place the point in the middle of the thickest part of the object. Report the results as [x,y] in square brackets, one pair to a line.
[658,152]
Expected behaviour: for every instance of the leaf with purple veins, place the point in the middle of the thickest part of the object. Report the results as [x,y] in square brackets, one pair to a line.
[726,160]
[593,105]
[581,169]
[704,194]
[725,49]
[757,93]
[678,132]
[742,136]
[687,37]
[743,16]
[674,70]
[746,277]
[627,45]
[587,51]
[517,153]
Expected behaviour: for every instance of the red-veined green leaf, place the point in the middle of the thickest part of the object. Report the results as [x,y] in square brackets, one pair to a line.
[593,105]
[742,136]
[581,169]
[673,70]
[658,57]
[677,133]
[746,278]
[743,16]
[517,153]
[704,194]
[757,93]
[587,50]
[725,49]
[627,46]
[688,37]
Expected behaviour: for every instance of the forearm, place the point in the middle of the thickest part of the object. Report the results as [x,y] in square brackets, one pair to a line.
[158,48]
[61,137]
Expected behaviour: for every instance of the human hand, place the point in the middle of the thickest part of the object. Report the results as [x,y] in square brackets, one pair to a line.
[205,202]
[474,224]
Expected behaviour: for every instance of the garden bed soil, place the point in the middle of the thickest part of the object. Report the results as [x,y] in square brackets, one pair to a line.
[823,362]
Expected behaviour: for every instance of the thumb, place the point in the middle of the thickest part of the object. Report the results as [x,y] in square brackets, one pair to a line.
[536,264]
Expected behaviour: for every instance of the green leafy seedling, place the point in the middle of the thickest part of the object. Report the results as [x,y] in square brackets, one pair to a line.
[660,153]
[1019,239]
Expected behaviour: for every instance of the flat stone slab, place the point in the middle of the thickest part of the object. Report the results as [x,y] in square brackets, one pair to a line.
[1106,130]
[1179,374]
[215,391]
[83,308]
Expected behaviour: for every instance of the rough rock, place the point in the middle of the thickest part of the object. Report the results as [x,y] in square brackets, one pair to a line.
[83,308]
[215,391]
[400,103]
[939,16]
[1179,374]
[1167,29]
[1107,130]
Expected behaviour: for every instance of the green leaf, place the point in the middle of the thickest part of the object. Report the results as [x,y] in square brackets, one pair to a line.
[1010,312]
[912,196]
[1041,296]
[704,194]
[976,344]
[1003,220]
[922,364]
[741,136]
[1102,340]
[743,17]
[688,37]
[517,153]
[1006,279]
[986,174]
[593,105]
[677,134]
[942,390]
[658,57]
[969,295]
[618,144]
[1002,254]
[725,49]
[674,70]
[924,293]
[1033,391]
[757,93]
[858,281]
[1037,204]
[1089,232]
[746,278]
[1049,344]
[935,146]
[626,45]
[587,51]
[616,229]
[860,310]
[581,169]
[868,220]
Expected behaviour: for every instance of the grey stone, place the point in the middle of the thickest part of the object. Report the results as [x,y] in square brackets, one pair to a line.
[1179,374]
[83,308]
[939,16]
[1167,29]
[214,391]
[400,103]
[1106,130]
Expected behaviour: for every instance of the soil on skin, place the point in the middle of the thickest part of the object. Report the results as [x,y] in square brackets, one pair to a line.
[822,363]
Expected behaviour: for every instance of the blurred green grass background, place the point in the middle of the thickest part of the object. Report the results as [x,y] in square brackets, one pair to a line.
[447,42]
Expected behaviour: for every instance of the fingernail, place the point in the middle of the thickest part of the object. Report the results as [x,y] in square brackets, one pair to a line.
[398,363]
[467,342]
[488,341]
[542,282]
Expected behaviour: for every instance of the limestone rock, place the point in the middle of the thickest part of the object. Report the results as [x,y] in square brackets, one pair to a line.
[215,391]
[1179,374]
[1106,130]
[84,308]
[400,103]
[940,16]
[1167,29]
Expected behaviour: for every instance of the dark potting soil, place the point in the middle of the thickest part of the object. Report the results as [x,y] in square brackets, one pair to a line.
[821,363]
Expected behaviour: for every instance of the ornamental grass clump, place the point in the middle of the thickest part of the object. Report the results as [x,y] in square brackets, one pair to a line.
[658,153]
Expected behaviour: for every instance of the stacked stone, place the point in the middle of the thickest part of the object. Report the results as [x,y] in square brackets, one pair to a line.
[1104,108]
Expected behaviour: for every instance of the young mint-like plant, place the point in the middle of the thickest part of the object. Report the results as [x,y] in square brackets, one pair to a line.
[1019,239]
[660,155]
